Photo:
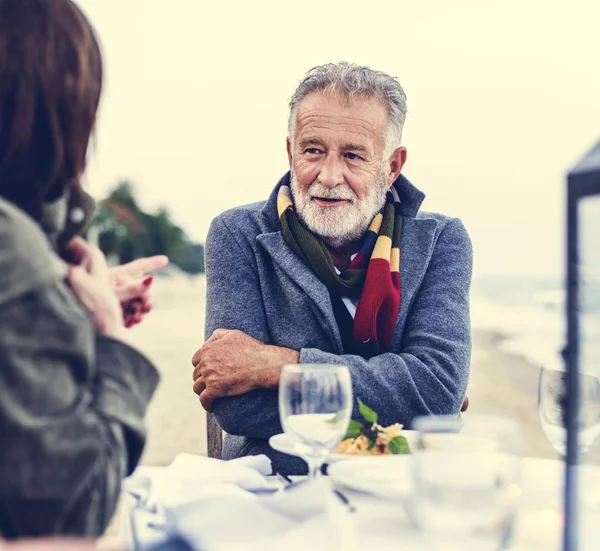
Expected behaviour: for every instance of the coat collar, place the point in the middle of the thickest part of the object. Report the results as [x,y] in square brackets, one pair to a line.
[411,199]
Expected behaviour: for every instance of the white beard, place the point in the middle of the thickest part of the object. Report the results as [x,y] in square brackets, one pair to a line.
[338,226]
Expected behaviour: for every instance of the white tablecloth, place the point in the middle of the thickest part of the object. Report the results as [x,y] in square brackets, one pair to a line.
[383,525]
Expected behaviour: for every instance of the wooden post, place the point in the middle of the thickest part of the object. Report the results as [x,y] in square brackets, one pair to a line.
[214,436]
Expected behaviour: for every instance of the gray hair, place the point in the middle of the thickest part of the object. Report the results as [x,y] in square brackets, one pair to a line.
[351,81]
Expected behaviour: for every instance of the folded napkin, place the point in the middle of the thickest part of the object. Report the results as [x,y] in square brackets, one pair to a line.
[232,505]
[305,514]
[189,476]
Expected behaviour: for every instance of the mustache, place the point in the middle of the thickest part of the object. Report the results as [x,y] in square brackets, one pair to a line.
[342,194]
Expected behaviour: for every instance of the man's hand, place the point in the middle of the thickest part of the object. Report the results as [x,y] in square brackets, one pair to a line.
[232,363]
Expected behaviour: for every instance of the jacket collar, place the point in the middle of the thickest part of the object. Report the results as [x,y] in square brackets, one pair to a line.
[411,199]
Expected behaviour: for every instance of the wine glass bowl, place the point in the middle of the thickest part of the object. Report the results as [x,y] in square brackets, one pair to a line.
[552,407]
[315,405]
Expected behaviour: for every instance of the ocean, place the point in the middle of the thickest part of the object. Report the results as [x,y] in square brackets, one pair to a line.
[530,312]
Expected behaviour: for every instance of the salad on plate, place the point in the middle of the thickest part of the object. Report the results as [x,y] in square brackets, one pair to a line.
[370,438]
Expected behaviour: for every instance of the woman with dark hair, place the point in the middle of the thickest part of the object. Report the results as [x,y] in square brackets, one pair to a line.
[72,395]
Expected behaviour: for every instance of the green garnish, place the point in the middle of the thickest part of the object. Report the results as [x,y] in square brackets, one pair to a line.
[355,429]
[397,445]
[367,412]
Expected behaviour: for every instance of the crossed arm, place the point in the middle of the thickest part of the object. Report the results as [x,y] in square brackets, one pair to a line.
[236,372]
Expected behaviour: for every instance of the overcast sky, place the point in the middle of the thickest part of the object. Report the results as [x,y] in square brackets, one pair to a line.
[503,97]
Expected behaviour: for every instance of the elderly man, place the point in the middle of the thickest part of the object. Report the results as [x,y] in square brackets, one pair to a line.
[338,266]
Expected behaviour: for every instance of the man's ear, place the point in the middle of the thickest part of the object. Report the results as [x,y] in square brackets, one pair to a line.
[288,146]
[396,162]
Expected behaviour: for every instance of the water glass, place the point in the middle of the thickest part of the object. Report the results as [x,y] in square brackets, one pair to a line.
[315,404]
[466,480]
[552,405]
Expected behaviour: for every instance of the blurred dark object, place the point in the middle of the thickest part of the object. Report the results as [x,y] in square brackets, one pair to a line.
[79,215]
[583,183]
[172,544]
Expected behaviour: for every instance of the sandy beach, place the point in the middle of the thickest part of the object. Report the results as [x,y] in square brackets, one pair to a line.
[500,383]
[169,337]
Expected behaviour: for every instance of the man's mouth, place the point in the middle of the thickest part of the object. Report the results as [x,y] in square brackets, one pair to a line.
[330,201]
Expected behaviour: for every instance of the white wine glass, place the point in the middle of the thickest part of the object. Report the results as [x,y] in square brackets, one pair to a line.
[315,405]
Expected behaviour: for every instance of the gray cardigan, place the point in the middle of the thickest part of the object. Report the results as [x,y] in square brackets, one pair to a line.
[256,284]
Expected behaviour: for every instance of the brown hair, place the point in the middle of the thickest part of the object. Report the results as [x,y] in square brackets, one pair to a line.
[50,85]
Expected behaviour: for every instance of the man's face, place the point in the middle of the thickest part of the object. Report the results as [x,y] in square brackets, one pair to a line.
[339,178]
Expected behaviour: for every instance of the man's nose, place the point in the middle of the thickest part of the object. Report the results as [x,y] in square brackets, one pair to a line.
[332,172]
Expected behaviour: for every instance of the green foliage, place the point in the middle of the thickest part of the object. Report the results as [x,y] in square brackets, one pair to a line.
[127,232]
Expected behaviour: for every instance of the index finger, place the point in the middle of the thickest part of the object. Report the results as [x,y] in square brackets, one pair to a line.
[196,357]
[206,399]
[141,266]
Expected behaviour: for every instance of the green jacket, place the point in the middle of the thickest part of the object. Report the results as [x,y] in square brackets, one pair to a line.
[72,403]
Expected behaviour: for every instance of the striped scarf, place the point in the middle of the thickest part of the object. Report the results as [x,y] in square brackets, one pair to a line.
[373,276]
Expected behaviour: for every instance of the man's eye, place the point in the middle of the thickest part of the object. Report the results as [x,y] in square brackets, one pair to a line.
[352,156]
[312,151]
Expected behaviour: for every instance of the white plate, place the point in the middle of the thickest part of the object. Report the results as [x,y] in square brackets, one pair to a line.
[284,444]
[386,476]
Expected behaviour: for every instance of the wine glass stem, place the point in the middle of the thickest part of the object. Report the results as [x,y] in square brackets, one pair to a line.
[314,467]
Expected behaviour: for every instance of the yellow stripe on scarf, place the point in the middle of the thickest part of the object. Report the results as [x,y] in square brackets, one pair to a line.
[383,248]
[284,200]
[395,260]
[376,223]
